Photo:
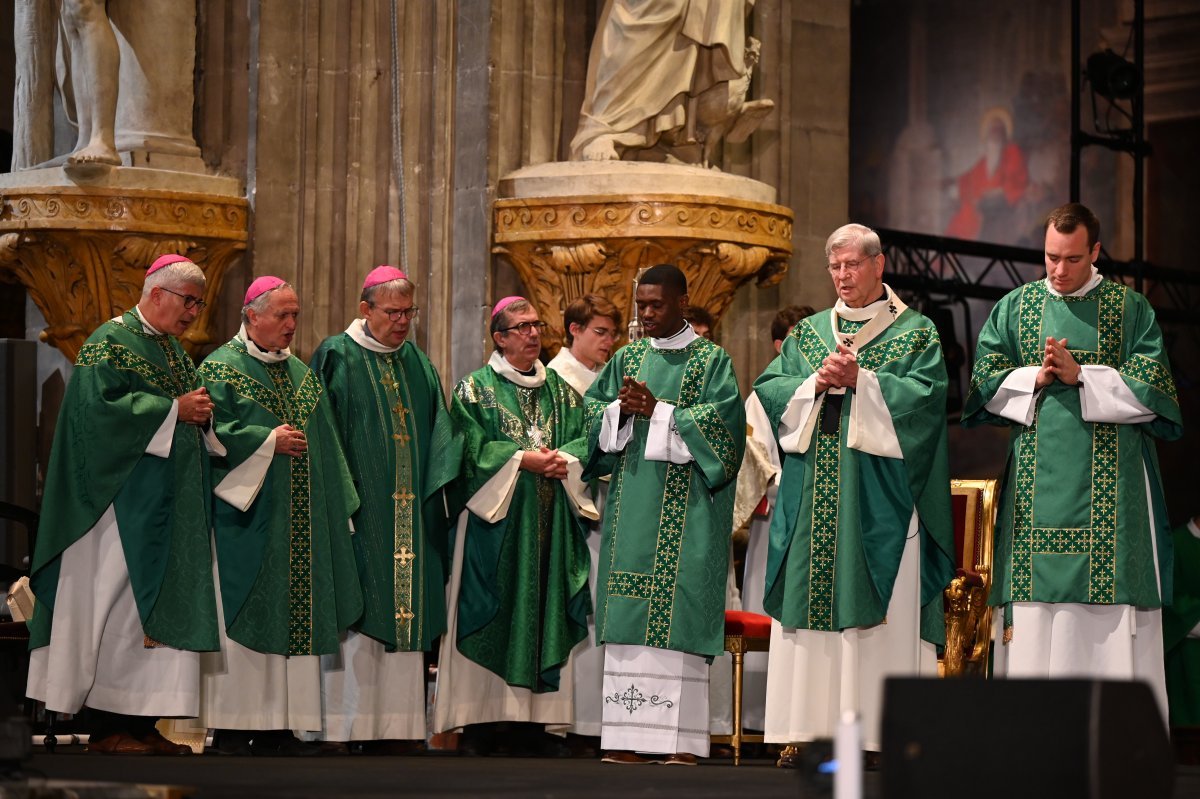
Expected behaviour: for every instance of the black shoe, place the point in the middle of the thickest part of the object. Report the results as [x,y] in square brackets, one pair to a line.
[231,742]
[275,744]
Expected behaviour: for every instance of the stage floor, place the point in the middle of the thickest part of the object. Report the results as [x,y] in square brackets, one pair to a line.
[446,775]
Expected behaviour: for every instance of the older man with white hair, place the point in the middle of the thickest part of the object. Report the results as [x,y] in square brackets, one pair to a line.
[121,571]
[288,583]
[395,429]
[861,540]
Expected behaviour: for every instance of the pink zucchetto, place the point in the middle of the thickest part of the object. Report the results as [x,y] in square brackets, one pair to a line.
[383,274]
[261,286]
[504,303]
[166,260]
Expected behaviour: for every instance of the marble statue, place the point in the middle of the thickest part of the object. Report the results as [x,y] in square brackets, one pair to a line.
[124,71]
[667,81]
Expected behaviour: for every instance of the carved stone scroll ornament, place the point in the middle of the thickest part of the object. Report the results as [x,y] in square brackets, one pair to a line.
[563,248]
[82,254]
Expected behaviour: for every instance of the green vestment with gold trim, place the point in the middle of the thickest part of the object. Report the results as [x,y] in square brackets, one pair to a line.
[1074,521]
[842,515]
[289,582]
[399,442]
[664,552]
[524,603]
[120,393]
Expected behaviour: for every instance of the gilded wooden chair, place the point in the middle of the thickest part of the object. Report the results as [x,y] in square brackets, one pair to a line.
[968,617]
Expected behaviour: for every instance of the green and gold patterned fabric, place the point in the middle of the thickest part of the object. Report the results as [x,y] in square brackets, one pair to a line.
[523,602]
[289,582]
[121,390]
[842,515]
[1074,522]
[395,429]
[664,552]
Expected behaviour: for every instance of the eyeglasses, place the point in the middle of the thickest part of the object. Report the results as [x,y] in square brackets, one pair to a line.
[525,328]
[604,332]
[849,266]
[189,302]
[397,315]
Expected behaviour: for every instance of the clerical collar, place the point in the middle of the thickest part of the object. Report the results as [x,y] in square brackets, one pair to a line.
[146,326]
[677,341]
[566,355]
[258,353]
[502,367]
[1095,280]
[864,313]
[360,333]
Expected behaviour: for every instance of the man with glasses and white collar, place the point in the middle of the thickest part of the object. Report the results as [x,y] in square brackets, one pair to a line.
[861,539]
[519,599]
[593,325]
[122,572]
[1075,366]
[396,432]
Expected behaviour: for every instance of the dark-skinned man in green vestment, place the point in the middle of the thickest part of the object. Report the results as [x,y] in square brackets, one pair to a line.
[122,571]
[1075,366]
[861,538]
[666,421]
[519,600]
[287,580]
[395,429]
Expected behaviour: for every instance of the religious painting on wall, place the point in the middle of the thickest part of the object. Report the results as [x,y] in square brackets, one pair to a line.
[960,117]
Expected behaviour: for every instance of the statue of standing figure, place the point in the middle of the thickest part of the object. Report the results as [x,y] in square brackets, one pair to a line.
[667,81]
[124,70]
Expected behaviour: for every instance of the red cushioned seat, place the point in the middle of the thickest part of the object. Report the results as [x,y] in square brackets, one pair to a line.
[745,623]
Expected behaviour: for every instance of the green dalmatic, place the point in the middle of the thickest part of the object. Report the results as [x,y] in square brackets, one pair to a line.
[289,582]
[664,552]
[399,442]
[1074,522]
[121,391]
[524,601]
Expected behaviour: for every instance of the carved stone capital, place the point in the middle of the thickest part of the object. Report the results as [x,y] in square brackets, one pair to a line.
[564,247]
[82,253]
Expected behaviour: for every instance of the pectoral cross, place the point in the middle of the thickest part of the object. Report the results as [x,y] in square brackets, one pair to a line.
[389,381]
[535,435]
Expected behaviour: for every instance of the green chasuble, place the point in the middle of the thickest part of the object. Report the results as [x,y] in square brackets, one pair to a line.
[524,601]
[1074,521]
[664,551]
[120,393]
[396,432]
[842,515]
[289,583]
[1183,652]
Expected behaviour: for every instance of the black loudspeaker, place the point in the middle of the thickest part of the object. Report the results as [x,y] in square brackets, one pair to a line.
[1024,739]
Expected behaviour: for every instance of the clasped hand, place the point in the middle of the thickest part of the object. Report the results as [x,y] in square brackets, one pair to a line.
[289,441]
[195,407]
[1058,364]
[838,370]
[546,462]
[636,399]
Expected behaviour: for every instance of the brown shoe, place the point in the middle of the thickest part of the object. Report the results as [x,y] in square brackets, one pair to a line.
[680,759]
[120,743]
[627,758]
[162,746]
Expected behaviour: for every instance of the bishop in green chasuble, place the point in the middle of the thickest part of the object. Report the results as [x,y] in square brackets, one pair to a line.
[288,580]
[1075,366]
[519,598]
[861,542]
[395,429]
[122,571]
